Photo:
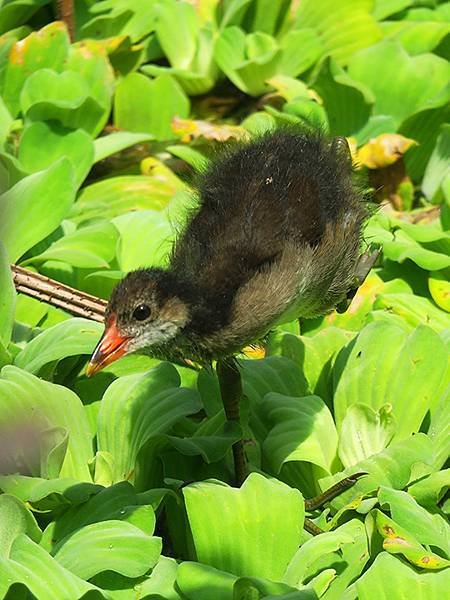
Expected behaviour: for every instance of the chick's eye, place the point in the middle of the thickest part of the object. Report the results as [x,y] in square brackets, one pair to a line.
[141,312]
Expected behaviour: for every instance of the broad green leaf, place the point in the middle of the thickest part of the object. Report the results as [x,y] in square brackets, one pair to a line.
[137,248]
[117,195]
[65,97]
[438,165]
[346,102]
[211,441]
[88,58]
[416,37]
[22,394]
[42,575]
[46,48]
[344,551]
[343,27]
[315,355]
[398,540]
[198,581]
[390,579]
[249,539]
[43,143]
[414,310]
[34,207]
[393,467]
[69,338]
[272,374]
[304,560]
[164,100]
[365,432]
[15,519]
[385,8]
[89,247]
[110,503]
[108,546]
[428,529]
[107,145]
[248,61]
[385,364]
[303,430]
[405,247]
[257,587]
[7,299]
[292,61]
[409,84]
[162,579]
[137,408]
[179,17]
[46,494]
[430,490]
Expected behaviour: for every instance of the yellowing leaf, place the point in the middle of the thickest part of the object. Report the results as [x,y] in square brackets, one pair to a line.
[384,150]
[439,287]
[189,129]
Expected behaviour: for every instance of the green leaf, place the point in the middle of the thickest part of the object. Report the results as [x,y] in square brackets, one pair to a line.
[136,248]
[15,519]
[249,539]
[7,299]
[430,490]
[43,143]
[438,166]
[164,99]
[107,145]
[346,102]
[248,61]
[293,62]
[365,432]
[212,440]
[180,17]
[393,467]
[42,575]
[344,551]
[409,84]
[199,582]
[90,247]
[161,581]
[47,48]
[108,546]
[386,364]
[137,408]
[343,27]
[428,529]
[303,430]
[22,394]
[46,494]
[116,195]
[398,540]
[389,578]
[414,310]
[69,338]
[34,207]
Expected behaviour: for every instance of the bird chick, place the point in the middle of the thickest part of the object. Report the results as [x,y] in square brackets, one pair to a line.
[276,235]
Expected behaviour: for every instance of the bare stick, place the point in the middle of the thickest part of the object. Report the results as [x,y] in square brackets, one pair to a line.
[231,391]
[331,493]
[66,14]
[57,294]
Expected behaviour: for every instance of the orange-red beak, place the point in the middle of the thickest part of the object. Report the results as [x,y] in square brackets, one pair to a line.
[111,347]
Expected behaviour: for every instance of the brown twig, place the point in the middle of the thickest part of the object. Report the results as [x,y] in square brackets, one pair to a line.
[57,294]
[66,14]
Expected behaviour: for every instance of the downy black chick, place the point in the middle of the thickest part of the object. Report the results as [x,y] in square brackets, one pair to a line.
[276,235]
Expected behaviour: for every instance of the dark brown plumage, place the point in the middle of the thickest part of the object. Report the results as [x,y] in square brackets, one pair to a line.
[276,235]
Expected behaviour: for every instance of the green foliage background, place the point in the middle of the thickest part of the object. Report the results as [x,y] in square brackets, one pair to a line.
[118,486]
